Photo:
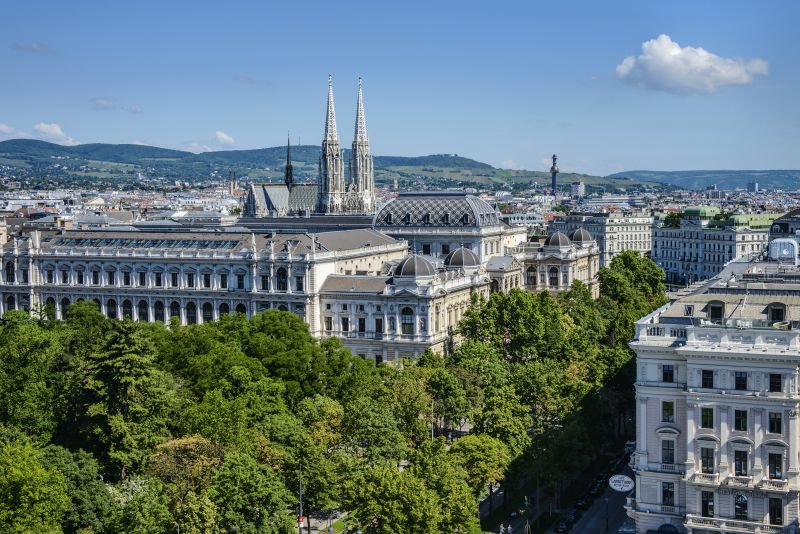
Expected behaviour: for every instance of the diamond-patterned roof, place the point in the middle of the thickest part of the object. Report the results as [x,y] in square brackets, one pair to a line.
[436,209]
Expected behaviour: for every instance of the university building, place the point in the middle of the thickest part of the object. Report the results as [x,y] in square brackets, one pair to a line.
[717,402]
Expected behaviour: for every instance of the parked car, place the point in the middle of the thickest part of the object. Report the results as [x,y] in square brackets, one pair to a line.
[572,515]
[583,503]
[628,527]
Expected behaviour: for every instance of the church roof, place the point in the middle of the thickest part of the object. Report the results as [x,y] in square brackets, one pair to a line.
[281,198]
[436,209]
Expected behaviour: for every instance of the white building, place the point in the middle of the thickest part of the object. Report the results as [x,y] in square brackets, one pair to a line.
[717,406]
[577,190]
[614,232]
[700,245]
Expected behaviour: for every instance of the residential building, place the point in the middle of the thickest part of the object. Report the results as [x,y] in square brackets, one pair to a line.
[698,246]
[614,232]
[577,190]
[717,404]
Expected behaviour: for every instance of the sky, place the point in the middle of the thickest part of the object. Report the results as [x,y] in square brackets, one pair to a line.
[608,86]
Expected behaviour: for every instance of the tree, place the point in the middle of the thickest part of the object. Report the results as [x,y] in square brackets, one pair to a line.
[139,505]
[185,466]
[89,501]
[371,430]
[127,400]
[506,419]
[484,458]
[249,496]
[34,497]
[449,399]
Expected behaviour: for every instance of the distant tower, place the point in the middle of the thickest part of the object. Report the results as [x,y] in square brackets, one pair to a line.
[331,171]
[554,174]
[288,174]
[361,163]
[232,184]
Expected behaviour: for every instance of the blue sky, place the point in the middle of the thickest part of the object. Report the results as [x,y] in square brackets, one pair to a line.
[508,83]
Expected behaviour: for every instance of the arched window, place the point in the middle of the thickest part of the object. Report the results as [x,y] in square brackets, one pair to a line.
[191,313]
[175,310]
[241,308]
[208,312]
[531,274]
[127,309]
[282,307]
[158,309]
[64,306]
[97,303]
[407,321]
[740,507]
[407,218]
[282,279]
[143,312]
[224,309]
[50,308]
[111,308]
[10,272]
[11,303]
[388,218]
[553,272]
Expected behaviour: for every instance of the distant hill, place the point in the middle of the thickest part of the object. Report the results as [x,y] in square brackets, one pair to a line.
[769,179]
[39,164]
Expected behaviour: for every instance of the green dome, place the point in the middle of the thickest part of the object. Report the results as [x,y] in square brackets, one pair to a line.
[700,212]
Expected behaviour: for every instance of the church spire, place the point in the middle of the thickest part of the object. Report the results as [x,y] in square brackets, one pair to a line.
[361,124]
[288,174]
[330,123]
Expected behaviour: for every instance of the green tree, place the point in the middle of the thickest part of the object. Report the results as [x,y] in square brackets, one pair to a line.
[449,399]
[34,497]
[484,458]
[127,400]
[250,496]
[140,506]
[89,501]
[506,419]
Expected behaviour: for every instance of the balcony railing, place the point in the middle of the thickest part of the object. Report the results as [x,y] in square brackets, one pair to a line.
[739,481]
[710,479]
[671,468]
[732,525]
[773,484]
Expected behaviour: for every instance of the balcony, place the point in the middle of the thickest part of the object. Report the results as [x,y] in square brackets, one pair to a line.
[768,484]
[739,481]
[704,479]
[653,508]
[731,525]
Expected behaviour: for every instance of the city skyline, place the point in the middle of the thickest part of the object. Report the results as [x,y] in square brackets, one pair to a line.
[609,88]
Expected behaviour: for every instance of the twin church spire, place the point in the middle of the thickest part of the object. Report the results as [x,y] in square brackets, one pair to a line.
[336,196]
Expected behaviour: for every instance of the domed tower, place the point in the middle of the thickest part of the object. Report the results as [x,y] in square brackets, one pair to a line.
[581,237]
[461,258]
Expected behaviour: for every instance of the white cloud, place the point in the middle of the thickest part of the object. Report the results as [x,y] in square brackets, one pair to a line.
[509,164]
[225,139]
[666,66]
[52,132]
[102,103]
[199,147]
[5,128]
[33,47]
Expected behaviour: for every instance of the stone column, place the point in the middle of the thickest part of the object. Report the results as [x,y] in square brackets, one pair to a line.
[724,434]
[691,427]
[641,459]
[758,440]
[793,441]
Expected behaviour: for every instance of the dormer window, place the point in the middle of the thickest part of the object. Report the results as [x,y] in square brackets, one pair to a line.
[388,218]
[716,311]
[427,218]
[465,218]
[776,312]
[446,218]
[407,218]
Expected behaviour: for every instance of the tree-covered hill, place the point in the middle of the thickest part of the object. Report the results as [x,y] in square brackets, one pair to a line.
[728,180]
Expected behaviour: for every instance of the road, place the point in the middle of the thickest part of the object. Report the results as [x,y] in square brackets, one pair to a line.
[593,520]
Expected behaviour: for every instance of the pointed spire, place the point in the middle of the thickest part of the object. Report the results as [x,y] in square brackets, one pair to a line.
[361,123]
[330,123]
[288,174]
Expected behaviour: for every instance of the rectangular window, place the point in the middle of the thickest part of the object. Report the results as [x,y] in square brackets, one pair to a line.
[111,278]
[708,379]
[740,463]
[223,281]
[668,411]
[49,275]
[706,417]
[80,277]
[190,279]
[362,324]
[667,451]
[740,420]
[24,276]
[126,278]
[328,324]
[239,281]
[707,503]
[667,373]
[142,278]
[445,250]
[158,279]
[688,310]
[775,511]
[345,324]
[668,493]
[379,326]
[775,423]
[775,462]
[707,459]
[207,280]
[426,249]
[96,278]
[775,383]
[298,283]
[264,282]
[173,279]
[740,380]
[65,277]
